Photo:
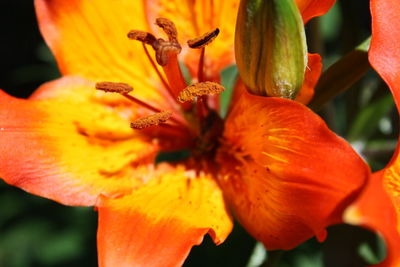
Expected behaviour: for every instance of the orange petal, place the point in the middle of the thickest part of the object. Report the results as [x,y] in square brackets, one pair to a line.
[374,210]
[313,8]
[384,53]
[158,224]
[194,18]
[384,57]
[313,72]
[285,174]
[89,39]
[70,143]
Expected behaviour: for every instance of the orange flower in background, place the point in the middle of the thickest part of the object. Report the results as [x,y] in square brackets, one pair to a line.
[272,162]
[375,211]
[377,206]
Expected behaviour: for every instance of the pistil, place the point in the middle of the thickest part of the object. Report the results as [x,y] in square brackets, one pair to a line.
[167,55]
[164,82]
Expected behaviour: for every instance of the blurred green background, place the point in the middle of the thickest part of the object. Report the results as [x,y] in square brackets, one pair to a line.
[39,232]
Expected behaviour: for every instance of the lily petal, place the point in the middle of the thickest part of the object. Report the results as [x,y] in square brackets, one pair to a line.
[89,39]
[70,143]
[193,19]
[374,210]
[384,53]
[311,76]
[285,174]
[384,56]
[158,224]
[313,8]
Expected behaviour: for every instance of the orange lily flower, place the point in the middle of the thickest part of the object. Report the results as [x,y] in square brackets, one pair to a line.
[378,204]
[272,162]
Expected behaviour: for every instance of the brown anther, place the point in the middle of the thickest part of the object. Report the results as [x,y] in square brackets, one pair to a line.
[164,49]
[141,36]
[199,89]
[154,119]
[203,40]
[169,28]
[121,88]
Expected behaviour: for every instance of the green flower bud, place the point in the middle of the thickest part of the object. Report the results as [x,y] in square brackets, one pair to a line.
[270,47]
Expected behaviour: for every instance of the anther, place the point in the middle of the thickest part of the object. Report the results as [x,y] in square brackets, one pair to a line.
[154,119]
[169,28]
[199,89]
[203,40]
[121,88]
[141,36]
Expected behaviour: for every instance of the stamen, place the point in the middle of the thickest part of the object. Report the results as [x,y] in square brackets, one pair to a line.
[200,71]
[121,88]
[203,40]
[154,119]
[143,37]
[169,28]
[150,107]
[141,103]
[199,89]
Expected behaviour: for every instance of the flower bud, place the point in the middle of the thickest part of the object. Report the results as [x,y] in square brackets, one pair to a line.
[270,47]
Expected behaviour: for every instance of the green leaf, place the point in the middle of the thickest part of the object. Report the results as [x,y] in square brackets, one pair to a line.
[367,120]
[228,80]
[333,17]
[185,72]
[341,75]
[61,247]
[370,255]
[258,256]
